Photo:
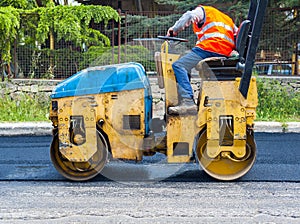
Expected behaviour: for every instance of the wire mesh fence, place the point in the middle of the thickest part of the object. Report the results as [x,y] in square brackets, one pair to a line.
[135,39]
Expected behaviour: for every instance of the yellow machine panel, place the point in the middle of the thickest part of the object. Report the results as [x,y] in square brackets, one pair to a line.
[123,121]
[76,146]
[121,116]
[180,138]
[167,60]
[227,115]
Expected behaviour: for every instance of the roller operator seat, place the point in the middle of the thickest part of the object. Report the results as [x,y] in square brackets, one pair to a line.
[228,68]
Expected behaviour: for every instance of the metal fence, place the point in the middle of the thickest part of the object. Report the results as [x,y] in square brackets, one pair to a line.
[134,39]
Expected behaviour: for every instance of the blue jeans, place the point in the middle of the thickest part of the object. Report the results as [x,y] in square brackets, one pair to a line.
[183,66]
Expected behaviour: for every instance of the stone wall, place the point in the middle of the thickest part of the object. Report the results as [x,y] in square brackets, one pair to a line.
[42,89]
[33,87]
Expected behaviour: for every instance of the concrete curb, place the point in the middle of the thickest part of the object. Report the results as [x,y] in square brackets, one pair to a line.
[275,127]
[25,128]
[45,128]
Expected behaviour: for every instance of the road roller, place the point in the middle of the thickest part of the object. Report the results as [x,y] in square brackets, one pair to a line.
[104,113]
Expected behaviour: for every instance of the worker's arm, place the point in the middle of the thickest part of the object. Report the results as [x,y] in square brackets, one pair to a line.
[194,16]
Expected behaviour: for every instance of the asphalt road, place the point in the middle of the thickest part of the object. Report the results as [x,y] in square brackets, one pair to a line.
[27,158]
[31,190]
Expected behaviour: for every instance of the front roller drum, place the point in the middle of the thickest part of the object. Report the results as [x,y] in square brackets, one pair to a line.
[225,166]
[80,171]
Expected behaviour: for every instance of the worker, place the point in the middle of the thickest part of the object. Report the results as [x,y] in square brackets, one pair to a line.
[215,33]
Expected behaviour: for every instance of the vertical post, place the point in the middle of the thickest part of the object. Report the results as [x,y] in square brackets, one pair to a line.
[51,68]
[252,10]
[1,67]
[119,38]
[252,47]
[51,41]
[125,38]
[297,59]
[51,37]
[15,59]
[113,42]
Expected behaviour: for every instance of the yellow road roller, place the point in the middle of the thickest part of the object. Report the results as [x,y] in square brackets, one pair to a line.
[105,112]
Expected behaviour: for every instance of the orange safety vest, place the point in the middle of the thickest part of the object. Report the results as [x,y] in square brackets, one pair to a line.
[217,33]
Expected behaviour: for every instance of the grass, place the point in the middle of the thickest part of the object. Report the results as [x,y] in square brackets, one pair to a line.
[276,103]
[25,108]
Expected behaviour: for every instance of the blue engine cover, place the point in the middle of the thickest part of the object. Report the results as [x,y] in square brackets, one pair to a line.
[104,79]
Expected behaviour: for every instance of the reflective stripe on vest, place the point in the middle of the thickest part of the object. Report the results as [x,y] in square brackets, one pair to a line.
[211,35]
[212,24]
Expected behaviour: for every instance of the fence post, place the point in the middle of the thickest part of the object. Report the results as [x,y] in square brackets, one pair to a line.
[125,37]
[51,69]
[15,58]
[113,43]
[297,60]
[119,38]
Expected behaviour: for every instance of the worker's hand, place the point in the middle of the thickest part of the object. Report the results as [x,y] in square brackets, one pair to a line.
[171,32]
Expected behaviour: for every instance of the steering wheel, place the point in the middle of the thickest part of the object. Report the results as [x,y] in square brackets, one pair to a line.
[172,38]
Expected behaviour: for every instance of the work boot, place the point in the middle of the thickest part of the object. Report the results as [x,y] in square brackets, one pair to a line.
[186,106]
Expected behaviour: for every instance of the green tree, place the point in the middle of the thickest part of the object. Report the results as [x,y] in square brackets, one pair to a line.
[9,25]
[235,8]
[18,4]
[23,21]
[72,23]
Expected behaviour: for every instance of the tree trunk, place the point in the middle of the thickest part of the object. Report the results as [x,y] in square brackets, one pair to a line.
[139,5]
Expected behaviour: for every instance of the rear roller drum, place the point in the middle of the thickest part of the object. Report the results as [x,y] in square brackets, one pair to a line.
[80,171]
[226,166]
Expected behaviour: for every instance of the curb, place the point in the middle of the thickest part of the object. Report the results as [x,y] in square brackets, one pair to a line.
[25,128]
[45,128]
[277,127]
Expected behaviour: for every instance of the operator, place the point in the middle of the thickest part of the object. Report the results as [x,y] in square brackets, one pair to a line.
[215,32]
